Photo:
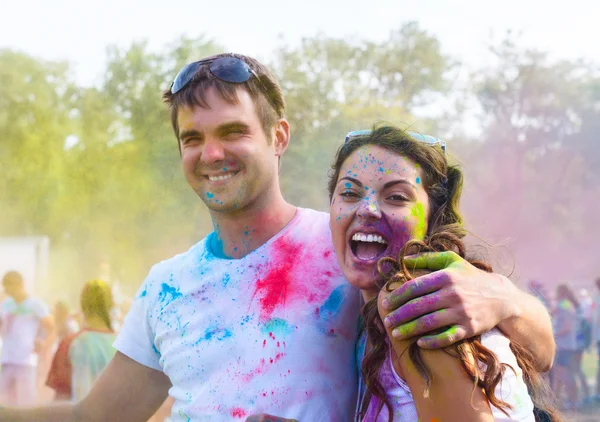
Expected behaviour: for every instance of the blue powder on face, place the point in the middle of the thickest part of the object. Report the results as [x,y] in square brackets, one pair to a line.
[210,195]
[418,180]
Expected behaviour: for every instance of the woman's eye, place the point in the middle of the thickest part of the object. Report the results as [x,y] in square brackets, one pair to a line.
[397,198]
[348,194]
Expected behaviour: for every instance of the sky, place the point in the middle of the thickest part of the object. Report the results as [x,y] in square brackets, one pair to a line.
[79,31]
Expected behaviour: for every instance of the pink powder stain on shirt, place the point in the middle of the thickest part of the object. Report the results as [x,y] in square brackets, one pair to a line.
[292,280]
[237,412]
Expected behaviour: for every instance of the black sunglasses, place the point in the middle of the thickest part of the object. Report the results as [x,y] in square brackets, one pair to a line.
[228,69]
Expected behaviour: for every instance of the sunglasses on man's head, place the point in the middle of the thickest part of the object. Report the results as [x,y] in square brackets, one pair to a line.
[228,69]
[430,140]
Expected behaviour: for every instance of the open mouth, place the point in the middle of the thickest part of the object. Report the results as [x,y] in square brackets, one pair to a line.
[367,247]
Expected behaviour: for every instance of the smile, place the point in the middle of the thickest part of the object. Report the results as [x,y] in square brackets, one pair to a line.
[368,246]
[221,177]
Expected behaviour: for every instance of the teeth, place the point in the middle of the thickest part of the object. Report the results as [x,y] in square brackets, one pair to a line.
[215,178]
[361,237]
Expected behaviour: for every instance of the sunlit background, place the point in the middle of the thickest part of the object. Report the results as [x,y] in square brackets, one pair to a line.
[89,165]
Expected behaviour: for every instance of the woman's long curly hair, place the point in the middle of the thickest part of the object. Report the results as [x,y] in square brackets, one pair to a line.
[443,184]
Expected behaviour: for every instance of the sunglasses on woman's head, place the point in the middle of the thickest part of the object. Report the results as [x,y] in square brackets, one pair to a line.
[430,140]
[228,69]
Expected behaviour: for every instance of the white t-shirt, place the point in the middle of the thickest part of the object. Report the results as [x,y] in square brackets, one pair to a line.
[20,326]
[511,389]
[273,332]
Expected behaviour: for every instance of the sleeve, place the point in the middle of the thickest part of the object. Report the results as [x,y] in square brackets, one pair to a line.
[59,376]
[136,337]
[512,388]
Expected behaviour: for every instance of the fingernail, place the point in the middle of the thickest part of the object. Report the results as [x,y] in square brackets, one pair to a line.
[387,322]
[385,303]
[397,334]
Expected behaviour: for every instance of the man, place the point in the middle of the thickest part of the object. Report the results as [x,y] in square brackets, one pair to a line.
[23,321]
[256,318]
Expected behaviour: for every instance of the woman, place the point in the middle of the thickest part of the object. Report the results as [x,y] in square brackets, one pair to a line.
[391,194]
[81,357]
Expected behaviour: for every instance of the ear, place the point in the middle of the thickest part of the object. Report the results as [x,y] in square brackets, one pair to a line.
[281,137]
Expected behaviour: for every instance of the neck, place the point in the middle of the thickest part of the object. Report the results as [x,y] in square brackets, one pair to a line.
[94,323]
[369,294]
[238,234]
[20,297]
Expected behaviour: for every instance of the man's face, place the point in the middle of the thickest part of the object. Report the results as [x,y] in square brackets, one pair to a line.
[10,287]
[226,156]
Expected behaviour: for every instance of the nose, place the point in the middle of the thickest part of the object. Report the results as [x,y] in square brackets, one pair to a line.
[212,152]
[369,209]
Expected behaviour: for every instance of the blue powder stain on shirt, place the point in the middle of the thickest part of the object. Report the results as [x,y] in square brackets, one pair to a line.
[277,326]
[215,244]
[144,293]
[155,350]
[226,279]
[215,333]
[332,305]
[168,291]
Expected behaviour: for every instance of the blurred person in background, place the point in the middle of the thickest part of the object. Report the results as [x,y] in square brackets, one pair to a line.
[27,330]
[584,340]
[536,288]
[565,335]
[81,356]
[596,312]
[66,323]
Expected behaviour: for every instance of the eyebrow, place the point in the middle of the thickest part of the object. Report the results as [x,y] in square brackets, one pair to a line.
[386,186]
[221,130]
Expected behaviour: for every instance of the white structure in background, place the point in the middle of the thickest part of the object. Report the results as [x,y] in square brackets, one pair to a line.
[27,255]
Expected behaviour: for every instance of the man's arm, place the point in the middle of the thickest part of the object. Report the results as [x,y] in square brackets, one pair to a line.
[468,302]
[126,391]
[530,325]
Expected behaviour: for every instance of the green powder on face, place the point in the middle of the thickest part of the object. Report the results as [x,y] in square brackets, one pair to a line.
[418,211]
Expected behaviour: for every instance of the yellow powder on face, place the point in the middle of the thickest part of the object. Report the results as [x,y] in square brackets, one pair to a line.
[418,211]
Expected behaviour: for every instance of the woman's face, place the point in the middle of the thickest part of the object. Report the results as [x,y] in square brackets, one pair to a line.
[379,203]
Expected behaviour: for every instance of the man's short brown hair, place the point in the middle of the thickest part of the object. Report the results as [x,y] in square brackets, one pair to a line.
[263,89]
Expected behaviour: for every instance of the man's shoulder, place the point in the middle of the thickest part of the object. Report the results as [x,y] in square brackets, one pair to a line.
[313,219]
[181,260]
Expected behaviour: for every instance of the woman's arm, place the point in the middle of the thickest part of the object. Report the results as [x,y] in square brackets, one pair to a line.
[451,397]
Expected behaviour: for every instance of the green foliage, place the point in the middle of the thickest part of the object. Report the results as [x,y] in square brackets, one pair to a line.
[97,168]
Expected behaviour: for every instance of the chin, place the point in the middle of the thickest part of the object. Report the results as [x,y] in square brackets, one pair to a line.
[363,280]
